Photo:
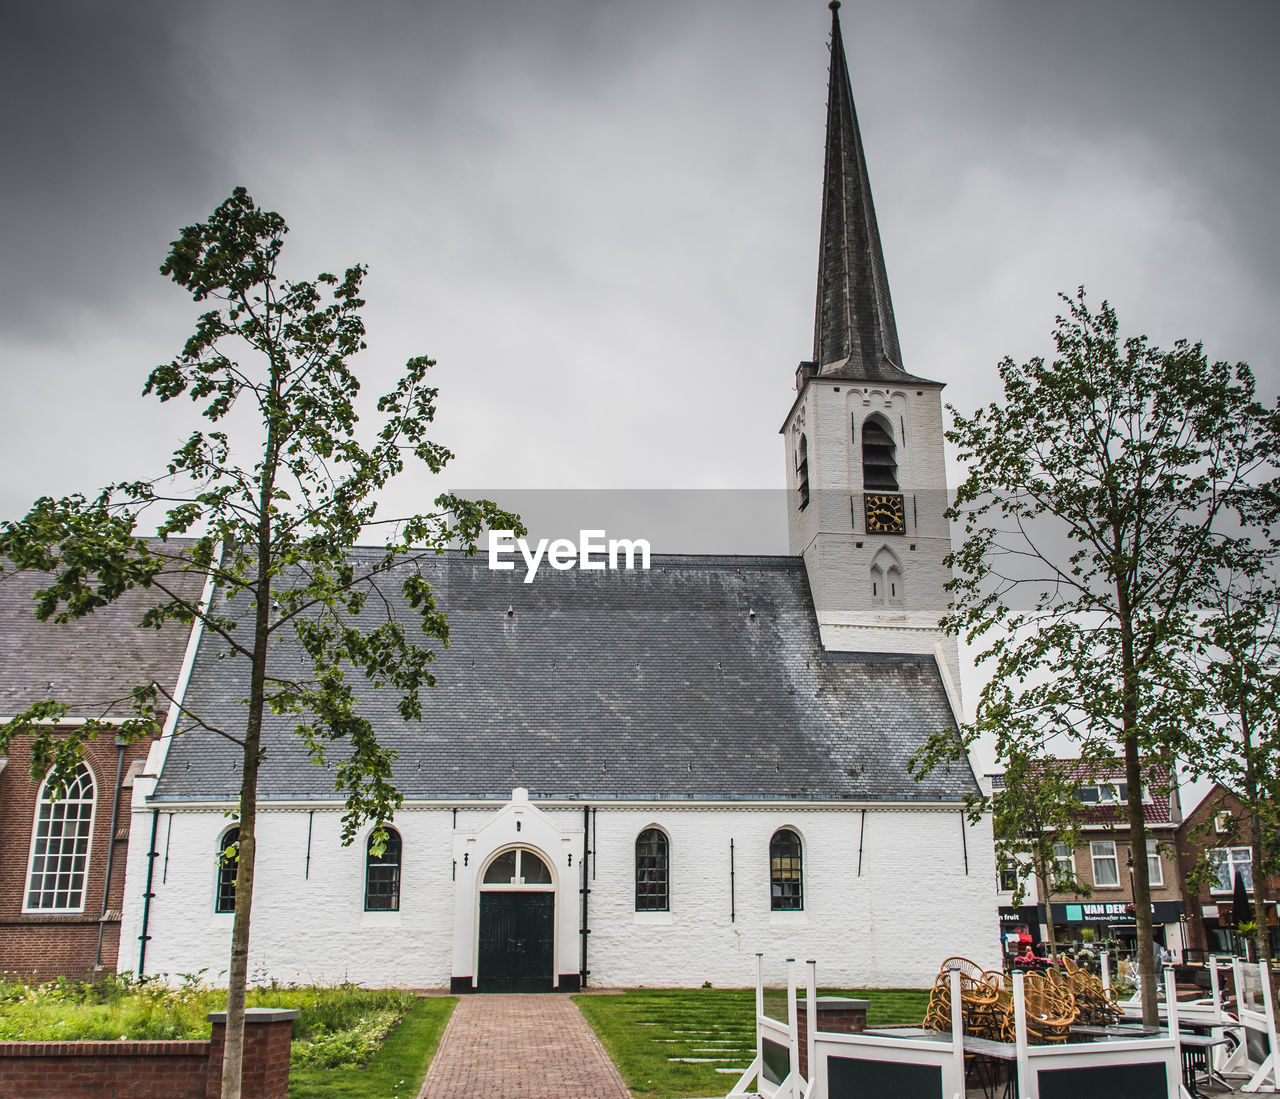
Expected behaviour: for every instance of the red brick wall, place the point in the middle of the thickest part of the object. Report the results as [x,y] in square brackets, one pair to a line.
[44,946]
[1196,835]
[105,1070]
[149,1070]
[266,1060]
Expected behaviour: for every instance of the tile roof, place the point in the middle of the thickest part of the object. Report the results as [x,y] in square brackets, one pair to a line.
[1155,811]
[703,677]
[92,663]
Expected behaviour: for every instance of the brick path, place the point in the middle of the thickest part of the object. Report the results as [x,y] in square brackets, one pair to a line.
[534,1046]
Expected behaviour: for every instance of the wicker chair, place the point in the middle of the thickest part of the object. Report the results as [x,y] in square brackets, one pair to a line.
[1051,1009]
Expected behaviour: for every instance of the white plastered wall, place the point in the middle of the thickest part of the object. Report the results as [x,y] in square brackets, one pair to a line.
[912,904]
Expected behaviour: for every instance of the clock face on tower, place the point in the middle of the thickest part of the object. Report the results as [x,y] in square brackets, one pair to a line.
[884,513]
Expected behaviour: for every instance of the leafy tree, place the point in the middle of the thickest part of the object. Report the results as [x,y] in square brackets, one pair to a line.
[1239,746]
[1104,491]
[273,519]
[1037,810]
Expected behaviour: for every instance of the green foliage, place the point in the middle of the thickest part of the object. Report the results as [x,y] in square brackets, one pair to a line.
[1036,810]
[275,511]
[645,1031]
[1105,492]
[337,1025]
[396,1071]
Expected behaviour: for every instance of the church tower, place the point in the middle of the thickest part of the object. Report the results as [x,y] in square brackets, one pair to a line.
[866,480]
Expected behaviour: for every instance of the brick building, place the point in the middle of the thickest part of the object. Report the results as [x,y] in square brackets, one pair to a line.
[62,863]
[1220,826]
[1102,860]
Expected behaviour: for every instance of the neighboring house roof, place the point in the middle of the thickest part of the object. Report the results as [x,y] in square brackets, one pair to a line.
[1086,772]
[92,663]
[703,677]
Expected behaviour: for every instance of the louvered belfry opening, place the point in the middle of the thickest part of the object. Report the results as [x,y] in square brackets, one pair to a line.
[879,467]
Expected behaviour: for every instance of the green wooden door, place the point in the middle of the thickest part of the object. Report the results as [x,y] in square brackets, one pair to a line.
[516,942]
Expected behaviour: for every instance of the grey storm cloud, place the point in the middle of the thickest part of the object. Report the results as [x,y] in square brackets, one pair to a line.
[602,217]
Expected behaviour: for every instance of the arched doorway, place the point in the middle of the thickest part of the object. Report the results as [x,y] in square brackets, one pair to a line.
[516,949]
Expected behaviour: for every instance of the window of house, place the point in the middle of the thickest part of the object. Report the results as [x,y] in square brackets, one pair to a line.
[382,875]
[1106,871]
[60,846]
[1155,874]
[1105,793]
[1229,861]
[228,863]
[879,466]
[1066,860]
[802,472]
[786,877]
[1222,822]
[652,878]
[1008,879]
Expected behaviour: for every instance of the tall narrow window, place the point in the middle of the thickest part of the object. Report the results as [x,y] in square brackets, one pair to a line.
[382,875]
[1155,875]
[1066,860]
[1106,870]
[224,899]
[652,877]
[802,472]
[786,877]
[879,466]
[60,846]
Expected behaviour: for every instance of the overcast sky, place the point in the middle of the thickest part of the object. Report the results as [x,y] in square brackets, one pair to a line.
[602,217]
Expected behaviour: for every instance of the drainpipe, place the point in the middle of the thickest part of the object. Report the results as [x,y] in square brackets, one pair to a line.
[146,897]
[584,931]
[111,850]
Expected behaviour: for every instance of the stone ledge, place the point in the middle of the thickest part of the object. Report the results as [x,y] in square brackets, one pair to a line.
[180,1048]
[258,1015]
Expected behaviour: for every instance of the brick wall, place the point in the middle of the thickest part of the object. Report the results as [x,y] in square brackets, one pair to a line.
[152,1070]
[41,946]
[104,1070]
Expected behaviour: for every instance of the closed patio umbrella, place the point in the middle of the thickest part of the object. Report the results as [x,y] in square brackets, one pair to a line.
[1241,909]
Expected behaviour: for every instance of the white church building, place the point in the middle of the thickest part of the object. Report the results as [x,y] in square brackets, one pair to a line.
[637,777]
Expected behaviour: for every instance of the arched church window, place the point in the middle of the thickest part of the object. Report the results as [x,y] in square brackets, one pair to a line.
[652,876]
[786,876]
[228,863]
[802,472]
[60,846]
[879,466]
[877,584]
[519,866]
[382,875]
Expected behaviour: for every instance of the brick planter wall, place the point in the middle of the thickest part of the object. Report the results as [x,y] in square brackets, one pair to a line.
[836,1015]
[152,1070]
[267,1034]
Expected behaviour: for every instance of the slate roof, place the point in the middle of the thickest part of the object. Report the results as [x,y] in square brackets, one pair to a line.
[599,685]
[92,663]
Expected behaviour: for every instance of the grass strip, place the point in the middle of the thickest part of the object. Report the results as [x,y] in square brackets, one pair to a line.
[647,1032]
[396,1071]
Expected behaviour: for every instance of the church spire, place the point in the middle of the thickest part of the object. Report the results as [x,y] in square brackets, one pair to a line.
[854,335]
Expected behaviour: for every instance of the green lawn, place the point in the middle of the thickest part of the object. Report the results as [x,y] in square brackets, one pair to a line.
[395,1071]
[669,1043]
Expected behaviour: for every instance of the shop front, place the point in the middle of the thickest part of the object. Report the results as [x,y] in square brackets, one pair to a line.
[1104,921]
